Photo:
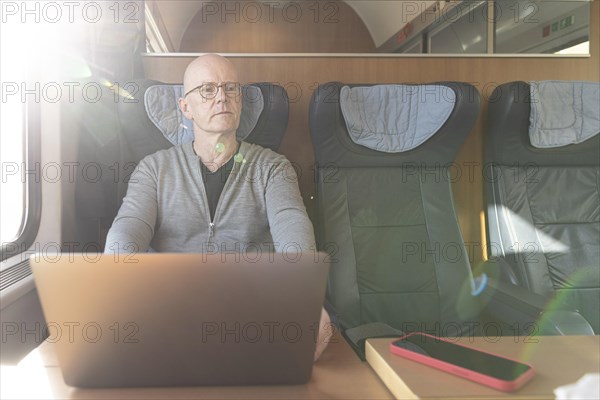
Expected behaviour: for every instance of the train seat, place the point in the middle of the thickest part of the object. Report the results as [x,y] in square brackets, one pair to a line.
[385,207]
[542,157]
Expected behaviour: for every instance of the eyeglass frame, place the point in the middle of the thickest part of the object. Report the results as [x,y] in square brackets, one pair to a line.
[222,85]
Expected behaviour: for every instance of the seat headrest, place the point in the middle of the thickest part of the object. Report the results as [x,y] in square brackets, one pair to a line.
[563,112]
[364,125]
[395,118]
[511,126]
[161,102]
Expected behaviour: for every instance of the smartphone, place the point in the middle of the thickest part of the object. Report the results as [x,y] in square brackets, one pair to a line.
[489,369]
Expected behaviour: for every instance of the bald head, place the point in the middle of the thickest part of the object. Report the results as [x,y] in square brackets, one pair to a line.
[216,117]
[208,68]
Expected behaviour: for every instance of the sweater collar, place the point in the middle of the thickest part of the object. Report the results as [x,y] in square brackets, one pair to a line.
[188,149]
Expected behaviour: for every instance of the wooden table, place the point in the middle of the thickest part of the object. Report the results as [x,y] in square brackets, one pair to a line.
[339,373]
[558,360]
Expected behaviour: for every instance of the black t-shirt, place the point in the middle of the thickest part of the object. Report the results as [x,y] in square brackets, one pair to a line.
[214,182]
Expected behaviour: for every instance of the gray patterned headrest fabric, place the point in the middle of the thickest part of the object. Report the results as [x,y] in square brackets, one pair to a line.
[563,112]
[395,118]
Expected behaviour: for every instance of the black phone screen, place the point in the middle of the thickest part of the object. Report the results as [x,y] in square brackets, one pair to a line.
[474,360]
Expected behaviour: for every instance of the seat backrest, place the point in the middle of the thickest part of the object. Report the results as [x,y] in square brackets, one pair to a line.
[386,216]
[140,118]
[542,179]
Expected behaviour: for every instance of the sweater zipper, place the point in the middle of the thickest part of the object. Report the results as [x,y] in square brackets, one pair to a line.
[211,224]
[211,231]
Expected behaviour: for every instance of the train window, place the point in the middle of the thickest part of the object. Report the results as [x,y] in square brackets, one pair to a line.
[12,153]
[580,48]
[465,35]
[536,27]
[19,150]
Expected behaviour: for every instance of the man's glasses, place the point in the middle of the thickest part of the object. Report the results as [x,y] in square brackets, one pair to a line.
[209,90]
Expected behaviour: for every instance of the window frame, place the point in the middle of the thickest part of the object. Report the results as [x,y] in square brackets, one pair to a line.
[32,210]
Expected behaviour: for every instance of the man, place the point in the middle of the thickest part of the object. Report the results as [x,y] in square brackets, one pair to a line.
[214,194]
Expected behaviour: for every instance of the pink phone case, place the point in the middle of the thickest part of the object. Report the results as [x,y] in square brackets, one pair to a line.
[496,383]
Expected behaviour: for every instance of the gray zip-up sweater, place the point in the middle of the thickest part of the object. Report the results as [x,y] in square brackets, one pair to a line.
[260,208]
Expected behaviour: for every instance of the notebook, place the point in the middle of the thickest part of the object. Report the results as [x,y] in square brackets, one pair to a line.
[182,319]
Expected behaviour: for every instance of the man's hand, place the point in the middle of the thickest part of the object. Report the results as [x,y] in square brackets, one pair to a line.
[325,333]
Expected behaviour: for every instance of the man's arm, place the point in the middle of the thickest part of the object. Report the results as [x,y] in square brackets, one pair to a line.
[326,331]
[133,228]
[290,226]
[292,230]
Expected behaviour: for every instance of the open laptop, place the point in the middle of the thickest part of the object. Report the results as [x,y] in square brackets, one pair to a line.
[182,319]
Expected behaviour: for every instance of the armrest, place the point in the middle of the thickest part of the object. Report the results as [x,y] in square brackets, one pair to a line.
[357,336]
[530,313]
